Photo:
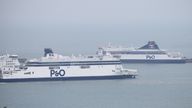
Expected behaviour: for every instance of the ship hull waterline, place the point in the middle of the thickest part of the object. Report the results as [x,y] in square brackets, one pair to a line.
[69,78]
[124,61]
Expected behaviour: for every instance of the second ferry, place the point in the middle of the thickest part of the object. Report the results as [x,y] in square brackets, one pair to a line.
[149,53]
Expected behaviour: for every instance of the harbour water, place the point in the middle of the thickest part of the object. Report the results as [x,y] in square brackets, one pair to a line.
[157,86]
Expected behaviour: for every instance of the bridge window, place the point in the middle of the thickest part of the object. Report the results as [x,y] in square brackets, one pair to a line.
[84,66]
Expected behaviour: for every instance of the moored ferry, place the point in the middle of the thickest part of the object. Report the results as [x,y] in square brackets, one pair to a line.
[149,53]
[53,67]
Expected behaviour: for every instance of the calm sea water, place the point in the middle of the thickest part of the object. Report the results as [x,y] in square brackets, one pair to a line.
[157,86]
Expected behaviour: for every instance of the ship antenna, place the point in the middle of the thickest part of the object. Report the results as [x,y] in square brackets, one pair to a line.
[6,52]
[109,44]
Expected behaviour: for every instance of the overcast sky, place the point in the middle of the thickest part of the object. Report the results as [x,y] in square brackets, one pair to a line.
[80,26]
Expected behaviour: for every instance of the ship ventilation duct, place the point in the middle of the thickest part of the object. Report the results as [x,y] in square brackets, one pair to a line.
[48,51]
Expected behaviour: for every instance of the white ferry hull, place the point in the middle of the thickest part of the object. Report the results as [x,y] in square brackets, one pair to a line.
[150,59]
[59,73]
[54,67]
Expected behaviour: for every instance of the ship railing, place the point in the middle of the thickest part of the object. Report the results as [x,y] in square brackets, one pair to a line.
[174,54]
[1,74]
[132,72]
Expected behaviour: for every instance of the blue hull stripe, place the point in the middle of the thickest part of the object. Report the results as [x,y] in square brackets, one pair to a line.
[67,78]
[63,64]
[152,61]
[73,63]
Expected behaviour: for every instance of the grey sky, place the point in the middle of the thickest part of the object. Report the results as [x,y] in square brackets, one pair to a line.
[80,26]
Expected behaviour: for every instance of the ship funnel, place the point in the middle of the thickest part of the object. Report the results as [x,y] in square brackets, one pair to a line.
[48,51]
[150,45]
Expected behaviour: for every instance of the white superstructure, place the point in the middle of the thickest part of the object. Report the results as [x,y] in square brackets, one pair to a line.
[149,53]
[57,67]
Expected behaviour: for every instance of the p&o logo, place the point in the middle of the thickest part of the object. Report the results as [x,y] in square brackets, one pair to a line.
[150,56]
[57,73]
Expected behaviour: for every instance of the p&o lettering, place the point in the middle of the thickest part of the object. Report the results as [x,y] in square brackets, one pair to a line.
[57,73]
[150,57]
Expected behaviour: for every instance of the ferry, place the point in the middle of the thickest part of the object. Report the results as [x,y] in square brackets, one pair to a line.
[149,53]
[55,67]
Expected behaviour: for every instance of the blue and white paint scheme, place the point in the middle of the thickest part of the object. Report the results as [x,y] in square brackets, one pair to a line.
[57,67]
[149,53]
